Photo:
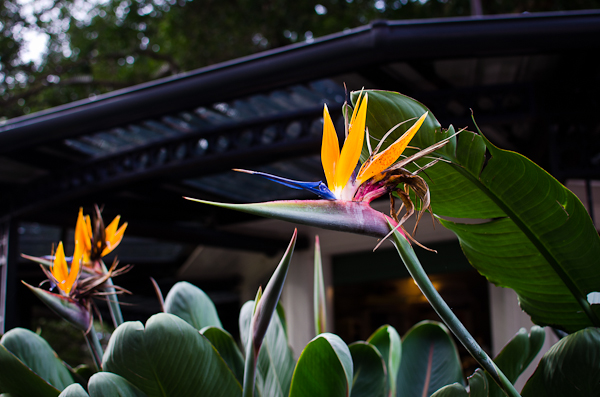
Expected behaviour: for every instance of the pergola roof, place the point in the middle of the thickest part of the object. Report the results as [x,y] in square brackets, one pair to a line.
[529,79]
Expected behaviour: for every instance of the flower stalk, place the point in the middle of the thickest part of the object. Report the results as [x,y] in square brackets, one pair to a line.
[414,267]
[319,297]
[91,337]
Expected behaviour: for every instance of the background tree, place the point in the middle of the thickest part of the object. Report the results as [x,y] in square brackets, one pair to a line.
[97,46]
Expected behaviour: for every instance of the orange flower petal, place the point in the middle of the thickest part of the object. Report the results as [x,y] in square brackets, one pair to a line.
[113,240]
[112,227]
[59,267]
[88,226]
[75,267]
[355,111]
[352,147]
[383,160]
[81,231]
[330,148]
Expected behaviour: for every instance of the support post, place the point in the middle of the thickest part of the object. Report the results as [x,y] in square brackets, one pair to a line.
[8,275]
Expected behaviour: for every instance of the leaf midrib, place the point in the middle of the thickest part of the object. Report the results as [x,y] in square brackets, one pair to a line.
[540,246]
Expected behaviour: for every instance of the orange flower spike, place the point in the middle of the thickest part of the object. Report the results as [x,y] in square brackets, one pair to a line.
[352,147]
[75,266]
[330,148]
[383,160]
[83,235]
[59,265]
[113,236]
[64,278]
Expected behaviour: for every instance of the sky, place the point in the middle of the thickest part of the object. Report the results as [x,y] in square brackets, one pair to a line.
[37,41]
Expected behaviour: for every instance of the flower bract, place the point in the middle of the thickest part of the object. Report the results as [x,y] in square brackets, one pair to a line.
[65,278]
[98,241]
[343,182]
[349,192]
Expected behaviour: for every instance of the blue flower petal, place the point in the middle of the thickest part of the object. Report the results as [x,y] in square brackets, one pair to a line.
[318,188]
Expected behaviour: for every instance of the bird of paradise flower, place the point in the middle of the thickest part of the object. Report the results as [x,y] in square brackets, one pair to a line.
[97,241]
[348,192]
[83,276]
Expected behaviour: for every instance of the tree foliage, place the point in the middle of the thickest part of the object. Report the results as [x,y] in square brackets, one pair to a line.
[97,46]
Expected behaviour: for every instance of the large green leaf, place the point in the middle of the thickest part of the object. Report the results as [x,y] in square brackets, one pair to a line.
[453,390]
[17,379]
[387,341]
[370,375]
[479,384]
[324,369]
[542,243]
[74,390]
[227,348]
[107,384]
[514,358]
[275,360]
[478,387]
[30,366]
[193,305]
[570,368]
[168,357]
[429,360]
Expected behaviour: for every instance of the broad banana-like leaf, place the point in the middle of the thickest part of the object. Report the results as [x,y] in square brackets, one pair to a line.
[107,384]
[74,390]
[324,369]
[541,241]
[168,357]
[429,360]
[570,368]
[369,378]
[453,390]
[193,305]
[514,358]
[478,387]
[227,348]
[29,365]
[17,379]
[343,216]
[275,360]
[387,341]
[479,384]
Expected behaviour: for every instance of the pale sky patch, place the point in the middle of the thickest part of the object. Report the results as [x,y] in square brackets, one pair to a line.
[36,43]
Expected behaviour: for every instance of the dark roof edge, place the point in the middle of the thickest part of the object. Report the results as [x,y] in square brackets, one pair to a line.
[333,54]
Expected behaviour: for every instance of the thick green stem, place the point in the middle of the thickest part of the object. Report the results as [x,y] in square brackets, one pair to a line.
[249,368]
[452,322]
[113,301]
[91,337]
[319,300]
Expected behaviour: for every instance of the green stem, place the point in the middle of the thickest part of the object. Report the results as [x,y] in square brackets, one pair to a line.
[417,272]
[319,300]
[249,369]
[91,337]
[113,301]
